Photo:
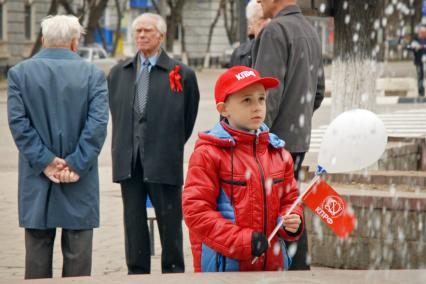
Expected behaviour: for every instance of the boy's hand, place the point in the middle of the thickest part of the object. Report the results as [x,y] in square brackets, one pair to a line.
[259,243]
[291,223]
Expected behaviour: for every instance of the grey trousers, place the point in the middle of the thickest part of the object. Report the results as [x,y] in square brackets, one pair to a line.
[76,251]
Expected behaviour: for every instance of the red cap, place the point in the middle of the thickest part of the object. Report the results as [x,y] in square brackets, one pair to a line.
[237,78]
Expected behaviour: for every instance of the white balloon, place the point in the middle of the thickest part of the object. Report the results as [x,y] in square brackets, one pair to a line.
[353,141]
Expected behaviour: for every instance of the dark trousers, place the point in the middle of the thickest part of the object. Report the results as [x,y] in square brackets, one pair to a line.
[420,77]
[299,260]
[76,250]
[167,203]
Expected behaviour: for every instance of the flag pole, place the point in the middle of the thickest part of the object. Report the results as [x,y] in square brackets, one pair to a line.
[295,203]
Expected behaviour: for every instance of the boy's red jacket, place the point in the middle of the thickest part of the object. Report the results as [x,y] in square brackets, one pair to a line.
[238,183]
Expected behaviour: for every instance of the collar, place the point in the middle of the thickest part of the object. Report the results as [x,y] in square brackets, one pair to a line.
[292,9]
[57,53]
[152,60]
[224,135]
[163,61]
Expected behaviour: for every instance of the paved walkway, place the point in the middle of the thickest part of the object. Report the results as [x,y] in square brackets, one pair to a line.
[302,277]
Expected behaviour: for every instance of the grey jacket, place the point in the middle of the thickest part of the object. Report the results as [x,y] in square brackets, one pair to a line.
[289,49]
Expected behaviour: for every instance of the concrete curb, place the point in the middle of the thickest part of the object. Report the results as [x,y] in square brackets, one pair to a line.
[415,100]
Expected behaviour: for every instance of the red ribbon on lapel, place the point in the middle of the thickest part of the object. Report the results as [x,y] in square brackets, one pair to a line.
[175,79]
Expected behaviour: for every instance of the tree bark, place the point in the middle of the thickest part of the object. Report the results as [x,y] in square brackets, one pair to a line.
[230,23]
[96,11]
[210,35]
[173,20]
[67,6]
[183,43]
[355,67]
[118,27]
[355,35]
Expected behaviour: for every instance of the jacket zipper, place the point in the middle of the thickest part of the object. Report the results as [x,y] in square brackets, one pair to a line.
[265,218]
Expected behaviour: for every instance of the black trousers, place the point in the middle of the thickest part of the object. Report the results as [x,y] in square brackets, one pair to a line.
[76,250]
[167,203]
[300,259]
[420,77]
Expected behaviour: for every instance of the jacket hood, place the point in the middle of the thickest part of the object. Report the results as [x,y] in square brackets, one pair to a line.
[223,135]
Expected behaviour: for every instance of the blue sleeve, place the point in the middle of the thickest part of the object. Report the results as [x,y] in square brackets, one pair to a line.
[26,137]
[94,132]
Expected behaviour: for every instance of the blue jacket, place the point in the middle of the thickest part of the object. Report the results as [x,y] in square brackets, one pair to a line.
[57,107]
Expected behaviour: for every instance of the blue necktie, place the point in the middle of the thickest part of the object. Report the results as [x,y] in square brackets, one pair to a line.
[142,88]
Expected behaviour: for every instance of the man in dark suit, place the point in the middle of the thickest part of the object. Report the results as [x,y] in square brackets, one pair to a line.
[154,103]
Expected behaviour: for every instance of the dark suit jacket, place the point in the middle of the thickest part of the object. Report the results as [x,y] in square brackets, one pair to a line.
[242,55]
[170,120]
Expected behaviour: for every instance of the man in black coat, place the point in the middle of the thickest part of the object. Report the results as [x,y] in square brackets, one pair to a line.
[154,102]
[418,46]
[289,49]
[255,23]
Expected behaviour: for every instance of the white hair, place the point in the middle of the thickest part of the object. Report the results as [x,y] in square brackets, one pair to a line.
[160,23]
[61,29]
[254,11]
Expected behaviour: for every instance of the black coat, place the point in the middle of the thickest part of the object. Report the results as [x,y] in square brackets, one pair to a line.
[418,53]
[242,55]
[170,120]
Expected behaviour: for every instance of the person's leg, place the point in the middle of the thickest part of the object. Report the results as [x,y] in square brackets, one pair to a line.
[299,259]
[297,160]
[420,78]
[39,253]
[167,202]
[136,233]
[77,252]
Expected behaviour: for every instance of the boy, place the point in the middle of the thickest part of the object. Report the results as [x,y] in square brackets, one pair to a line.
[240,183]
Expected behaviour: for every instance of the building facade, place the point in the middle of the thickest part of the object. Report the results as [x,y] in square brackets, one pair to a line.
[19,27]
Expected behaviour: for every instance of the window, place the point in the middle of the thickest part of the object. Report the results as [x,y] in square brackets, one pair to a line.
[28,21]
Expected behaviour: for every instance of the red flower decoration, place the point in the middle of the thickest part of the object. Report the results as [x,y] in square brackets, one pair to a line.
[175,79]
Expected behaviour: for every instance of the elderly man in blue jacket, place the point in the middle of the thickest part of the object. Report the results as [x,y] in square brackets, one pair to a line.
[58,114]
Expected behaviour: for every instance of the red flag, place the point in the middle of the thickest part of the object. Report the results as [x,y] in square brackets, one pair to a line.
[330,207]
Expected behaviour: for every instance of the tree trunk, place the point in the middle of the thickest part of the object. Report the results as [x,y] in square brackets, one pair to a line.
[103,40]
[355,67]
[95,13]
[183,43]
[118,27]
[67,6]
[231,21]
[354,27]
[210,35]
[53,9]
[173,20]
[417,8]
